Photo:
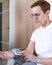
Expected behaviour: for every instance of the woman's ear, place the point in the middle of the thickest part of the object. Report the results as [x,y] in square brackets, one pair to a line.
[47,12]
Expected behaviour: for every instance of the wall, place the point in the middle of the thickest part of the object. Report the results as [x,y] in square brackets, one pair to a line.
[12,24]
[8,24]
[24,26]
[5,24]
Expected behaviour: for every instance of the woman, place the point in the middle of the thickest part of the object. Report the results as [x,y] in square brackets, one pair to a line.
[41,39]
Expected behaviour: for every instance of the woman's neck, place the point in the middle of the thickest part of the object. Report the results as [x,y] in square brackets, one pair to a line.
[47,22]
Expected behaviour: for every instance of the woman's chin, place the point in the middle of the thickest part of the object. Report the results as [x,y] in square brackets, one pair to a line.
[36,22]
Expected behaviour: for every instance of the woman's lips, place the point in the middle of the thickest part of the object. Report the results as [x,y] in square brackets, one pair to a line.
[36,21]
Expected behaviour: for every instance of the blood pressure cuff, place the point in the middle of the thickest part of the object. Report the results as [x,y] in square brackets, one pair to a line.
[17,53]
[16,57]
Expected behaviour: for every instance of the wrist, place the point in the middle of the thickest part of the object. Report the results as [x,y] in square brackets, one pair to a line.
[38,60]
[17,53]
[12,54]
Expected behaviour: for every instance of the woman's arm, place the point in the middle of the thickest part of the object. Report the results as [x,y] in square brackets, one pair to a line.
[7,55]
[33,58]
[46,61]
[28,55]
[28,52]
[0,54]
[31,47]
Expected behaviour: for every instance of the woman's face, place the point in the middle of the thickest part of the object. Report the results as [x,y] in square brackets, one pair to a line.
[38,16]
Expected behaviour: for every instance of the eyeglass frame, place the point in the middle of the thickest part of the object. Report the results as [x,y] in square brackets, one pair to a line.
[35,15]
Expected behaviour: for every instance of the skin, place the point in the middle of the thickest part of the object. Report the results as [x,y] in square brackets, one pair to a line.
[7,55]
[44,21]
[43,18]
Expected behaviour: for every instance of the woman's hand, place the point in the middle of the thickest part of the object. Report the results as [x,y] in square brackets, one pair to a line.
[28,56]
[0,54]
[7,55]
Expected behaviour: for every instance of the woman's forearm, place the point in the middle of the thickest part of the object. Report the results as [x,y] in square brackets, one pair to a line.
[45,61]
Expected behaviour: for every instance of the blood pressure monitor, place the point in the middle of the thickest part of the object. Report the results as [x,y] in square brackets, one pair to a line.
[17,53]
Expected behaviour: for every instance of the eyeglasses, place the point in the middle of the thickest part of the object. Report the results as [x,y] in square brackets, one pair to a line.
[35,15]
